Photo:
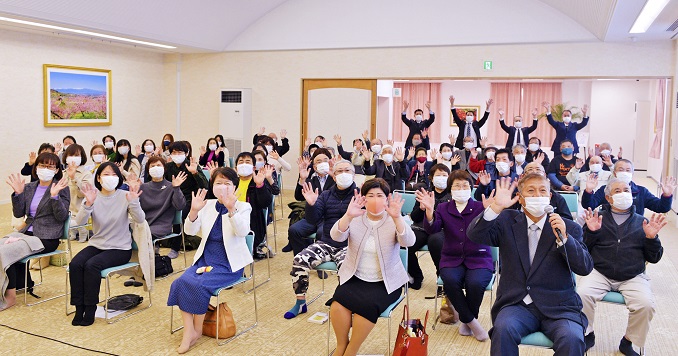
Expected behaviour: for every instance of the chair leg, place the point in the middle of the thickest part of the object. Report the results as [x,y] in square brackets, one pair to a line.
[389,336]
[435,309]
[256,315]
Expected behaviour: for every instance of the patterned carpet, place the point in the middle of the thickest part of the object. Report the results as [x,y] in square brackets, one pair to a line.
[148,333]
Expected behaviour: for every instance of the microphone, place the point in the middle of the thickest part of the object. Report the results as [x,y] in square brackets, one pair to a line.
[548,210]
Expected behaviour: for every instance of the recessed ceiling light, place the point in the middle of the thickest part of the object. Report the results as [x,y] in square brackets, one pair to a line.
[650,11]
[82,32]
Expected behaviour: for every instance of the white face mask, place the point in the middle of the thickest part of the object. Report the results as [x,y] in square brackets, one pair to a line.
[322,168]
[490,155]
[419,118]
[245,169]
[468,145]
[108,144]
[567,119]
[520,158]
[109,183]
[605,152]
[66,147]
[123,150]
[178,159]
[461,196]
[535,205]
[73,159]
[518,124]
[45,174]
[447,155]
[625,177]
[376,149]
[319,144]
[269,148]
[213,147]
[503,167]
[469,119]
[440,182]
[595,167]
[157,171]
[259,165]
[97,158]
[388,158]
[534,147]
[148,148]
[622,201]
[344,180]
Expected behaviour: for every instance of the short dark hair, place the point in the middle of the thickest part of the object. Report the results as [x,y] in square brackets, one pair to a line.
[568,110]
[144,144]
[220,137]
[437,167]
[501,151]
[72,150]
[535,138]
[319,136]
[358,140]
[445,144]
[48,158]
[321,151]
[226,172]
[260,152]
[171,140]
[71,137]
[419,150]
[130,156]
[311,146]
[375,183]
[418,110]
[46,146]
[101,168]
[416,133]
[103,140]
[492,148]
[266,139]
[459,175]
[151,160]
[244,154]
[259,147]
[566,140]
[178,146]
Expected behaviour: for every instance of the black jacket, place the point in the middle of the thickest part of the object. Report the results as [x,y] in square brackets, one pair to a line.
[511,131]
[330,206]
[315,183]
[394,175]
[476,125]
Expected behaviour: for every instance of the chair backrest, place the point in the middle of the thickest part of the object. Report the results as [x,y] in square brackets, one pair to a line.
[571,198]
[409,198]
[495,253]
[206,172]
[177,218]
[231,162]
[249,239]
[67,226]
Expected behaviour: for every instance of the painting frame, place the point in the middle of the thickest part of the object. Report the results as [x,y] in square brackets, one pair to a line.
[461,111]
[87,87]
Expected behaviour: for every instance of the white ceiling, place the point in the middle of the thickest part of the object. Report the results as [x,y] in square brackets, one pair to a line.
[243,25]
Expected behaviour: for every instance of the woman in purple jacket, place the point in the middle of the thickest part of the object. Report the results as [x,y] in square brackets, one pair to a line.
[464,264]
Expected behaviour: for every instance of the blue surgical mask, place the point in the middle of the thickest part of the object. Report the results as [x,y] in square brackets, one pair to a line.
[567,151]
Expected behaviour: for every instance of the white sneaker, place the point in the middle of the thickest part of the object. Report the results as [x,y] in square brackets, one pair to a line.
[173,254]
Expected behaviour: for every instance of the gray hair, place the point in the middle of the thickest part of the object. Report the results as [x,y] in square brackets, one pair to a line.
[622,160]
[344,161]
[532,176]
[520,145]
[608,187]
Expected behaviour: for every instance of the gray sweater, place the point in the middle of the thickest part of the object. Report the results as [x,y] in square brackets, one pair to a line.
[160,201]
[110,221]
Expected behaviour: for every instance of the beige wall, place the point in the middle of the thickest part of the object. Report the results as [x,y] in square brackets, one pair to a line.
[137,78]
[275,77]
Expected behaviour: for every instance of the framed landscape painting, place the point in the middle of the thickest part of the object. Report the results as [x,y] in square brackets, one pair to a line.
[77,96]
[461,112]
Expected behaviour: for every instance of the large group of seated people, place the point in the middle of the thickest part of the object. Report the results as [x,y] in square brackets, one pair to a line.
[470,196]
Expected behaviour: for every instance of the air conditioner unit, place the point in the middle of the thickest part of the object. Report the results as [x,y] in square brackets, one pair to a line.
[235,119]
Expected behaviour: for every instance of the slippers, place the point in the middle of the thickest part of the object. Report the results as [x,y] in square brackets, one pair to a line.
[132,282]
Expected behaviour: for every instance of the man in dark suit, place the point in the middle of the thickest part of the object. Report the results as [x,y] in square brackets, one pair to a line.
[536,291]
[566,130]
[418,124]
[469,127]
[517,134]
[391,166]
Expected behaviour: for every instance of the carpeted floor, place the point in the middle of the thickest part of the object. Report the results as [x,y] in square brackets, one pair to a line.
[147,333]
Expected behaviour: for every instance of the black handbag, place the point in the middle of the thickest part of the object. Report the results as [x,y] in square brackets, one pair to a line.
[124,302]
[163,266]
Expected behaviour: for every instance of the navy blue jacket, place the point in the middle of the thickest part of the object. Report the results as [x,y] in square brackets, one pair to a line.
[620,251]
[566,132]
[475,126]
[642,198]
[416,127]
[330,206]
[511,131]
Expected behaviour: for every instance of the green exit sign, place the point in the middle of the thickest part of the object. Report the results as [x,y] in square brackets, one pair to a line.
[487,65]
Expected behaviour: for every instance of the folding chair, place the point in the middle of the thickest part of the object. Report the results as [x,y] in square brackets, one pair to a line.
[206,172]
[387,313]
[178,220]
[572,200]
[26,261]
[330,267]
[217,293]
[268,257]
[495,278]
[613,297]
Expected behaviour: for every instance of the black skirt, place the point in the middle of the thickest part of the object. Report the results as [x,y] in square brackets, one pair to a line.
[367,299]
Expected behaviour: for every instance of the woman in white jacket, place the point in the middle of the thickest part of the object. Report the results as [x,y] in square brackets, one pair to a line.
[74,160]
[372,274]
[223,224]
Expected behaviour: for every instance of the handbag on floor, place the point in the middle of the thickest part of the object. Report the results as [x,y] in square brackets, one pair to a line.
[226,322]
[124,302]
[412,338]
[447,313]
[163,266]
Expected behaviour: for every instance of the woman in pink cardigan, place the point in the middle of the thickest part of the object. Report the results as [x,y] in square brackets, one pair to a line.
[372,275]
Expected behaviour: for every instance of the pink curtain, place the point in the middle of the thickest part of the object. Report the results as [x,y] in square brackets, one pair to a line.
[521,99]
[655,150]
[417,94]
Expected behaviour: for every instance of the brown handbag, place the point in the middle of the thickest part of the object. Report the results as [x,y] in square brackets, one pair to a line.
[226,322]
[412,337]
[447,313]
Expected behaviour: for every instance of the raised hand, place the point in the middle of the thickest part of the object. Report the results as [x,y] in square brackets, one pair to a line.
[668,186]
[584,110]
[309,193]
[488,103]
[484,178]
[557,224]
[652,227]
[367,153]
[262,130]
[428,105]
[192,165]
[137,149]
[501,113]
[308,142]
[283,134]
[405,105]
[395,204]
[31,158]
[619,155]
[94,143]
[452,138]
[455,159]
[424,133]
[180,178]
[229,198]
[593,221]
[259,177]
[198,200]
[90,193]
[503,196]
[451,101]
[268,172]
[219,149]
[434,153]
[133,193]
[274,155]
[304,171]
[535,112]
[427,200]
[133,180]
[483,141]
[539,158]
[337,138]
[158,151]
[546,105]
[203,150]
[366,135]
[57,187]
[211,166]
[57,147]
[17,183]
[607,159]
[591,183]
[410,153]
[399,154]
[579,163]
[390,142]
[71,169]
[487,201]
[355,207]
[591,152]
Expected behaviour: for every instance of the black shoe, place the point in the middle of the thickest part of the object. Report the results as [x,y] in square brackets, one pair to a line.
[626,347]
[322,275]
[589,340]
[88,316]
[439,294]
[287,248]
[259,256]
[416,284]
[77,319]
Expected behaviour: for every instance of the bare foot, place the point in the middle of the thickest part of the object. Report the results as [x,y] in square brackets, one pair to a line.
[187,342]
[10,299]
[464,330]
